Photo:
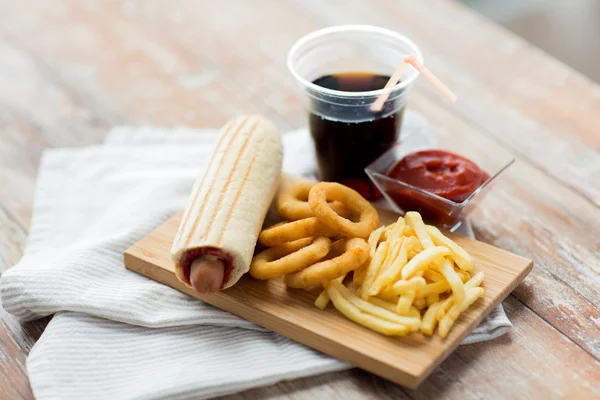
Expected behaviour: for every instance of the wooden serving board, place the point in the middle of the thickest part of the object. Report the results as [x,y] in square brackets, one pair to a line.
[290,312]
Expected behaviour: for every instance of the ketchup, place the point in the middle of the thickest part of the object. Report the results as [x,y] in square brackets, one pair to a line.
[446,174]
[440,172]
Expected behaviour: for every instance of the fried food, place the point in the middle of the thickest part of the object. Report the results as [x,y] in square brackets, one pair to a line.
[352,312]
[405,301]
[413,312]
[285,232]
[323,192]
[391,274]
[470,297]
[433,288]
[420,304]
[289,257]
[423,259]
[406,276]
[292,202]
[356,253]
[374,239]
[447,270]
[373,269]
[413,271]
[375,310]
[323,300]
[414,221]
[476,280]
[417,283]
[359,274]
[432,276]
[429,319]
[459,255]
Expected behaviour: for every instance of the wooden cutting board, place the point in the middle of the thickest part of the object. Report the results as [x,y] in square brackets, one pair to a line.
[290,312]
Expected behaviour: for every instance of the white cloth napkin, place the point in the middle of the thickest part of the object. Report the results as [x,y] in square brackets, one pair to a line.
[93,203]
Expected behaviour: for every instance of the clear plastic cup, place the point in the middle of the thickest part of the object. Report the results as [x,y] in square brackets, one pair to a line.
[347,134]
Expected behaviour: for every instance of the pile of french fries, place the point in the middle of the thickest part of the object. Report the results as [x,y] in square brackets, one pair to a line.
[416,279]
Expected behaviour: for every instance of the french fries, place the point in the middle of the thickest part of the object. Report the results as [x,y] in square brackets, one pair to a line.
[374,239]
[415,221]
[447,270]
[415,283]
[323,300]
[405,301]
[446,323]
[373,269]
[460,256]
[358,277]
[352,312]
[375,310]
[417,279]
[420,304]
[423,259]
[429,319]
[393,272]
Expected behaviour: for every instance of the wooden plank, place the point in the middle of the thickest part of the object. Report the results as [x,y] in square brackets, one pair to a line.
[73,51]
[291,313]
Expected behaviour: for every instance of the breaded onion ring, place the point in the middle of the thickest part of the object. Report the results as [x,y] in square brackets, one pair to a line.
[368,216]
[356,253]
[285,232]
[292,202]
[288,258]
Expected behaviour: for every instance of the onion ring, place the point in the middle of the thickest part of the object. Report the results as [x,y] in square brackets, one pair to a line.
[292,202]
[288,258]
[356,253]
[368,216]
[285,232]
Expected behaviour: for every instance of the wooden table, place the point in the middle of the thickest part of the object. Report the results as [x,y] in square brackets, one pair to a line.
[71,70]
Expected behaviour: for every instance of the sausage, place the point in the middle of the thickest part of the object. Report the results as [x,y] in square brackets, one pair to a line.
[206,274]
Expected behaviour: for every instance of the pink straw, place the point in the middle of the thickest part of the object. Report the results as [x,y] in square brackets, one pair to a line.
[410,60]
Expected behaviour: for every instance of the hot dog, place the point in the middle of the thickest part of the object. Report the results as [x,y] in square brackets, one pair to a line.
[215,241]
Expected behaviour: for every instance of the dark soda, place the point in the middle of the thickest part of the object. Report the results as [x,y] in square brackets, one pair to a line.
[347,144]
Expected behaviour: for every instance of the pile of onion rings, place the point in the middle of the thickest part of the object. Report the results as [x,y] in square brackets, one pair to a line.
[300,249]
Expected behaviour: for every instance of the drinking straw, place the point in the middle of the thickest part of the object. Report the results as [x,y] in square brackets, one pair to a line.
[378,104]
[412,61]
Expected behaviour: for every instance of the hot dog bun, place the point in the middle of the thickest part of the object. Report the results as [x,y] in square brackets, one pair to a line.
[230,199]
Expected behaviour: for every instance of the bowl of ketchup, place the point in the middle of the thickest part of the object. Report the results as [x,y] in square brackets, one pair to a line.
[443,184]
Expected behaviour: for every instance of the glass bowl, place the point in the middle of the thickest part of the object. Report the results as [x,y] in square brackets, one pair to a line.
[436,210]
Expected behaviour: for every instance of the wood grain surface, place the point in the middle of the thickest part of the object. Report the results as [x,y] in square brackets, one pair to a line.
[406,361]
[70,70]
